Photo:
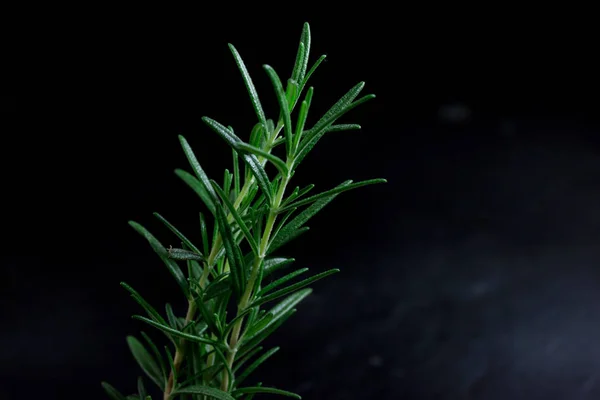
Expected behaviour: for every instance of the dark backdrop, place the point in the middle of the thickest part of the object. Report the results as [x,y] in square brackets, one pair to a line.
[472,274]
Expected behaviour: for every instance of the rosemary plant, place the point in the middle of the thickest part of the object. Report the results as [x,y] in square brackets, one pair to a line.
[211,353]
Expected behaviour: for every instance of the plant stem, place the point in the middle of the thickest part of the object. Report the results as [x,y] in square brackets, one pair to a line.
[246,297]
[216,247]
[179,353]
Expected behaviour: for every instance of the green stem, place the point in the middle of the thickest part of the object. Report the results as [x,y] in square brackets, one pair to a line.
[247,296]
[216,247]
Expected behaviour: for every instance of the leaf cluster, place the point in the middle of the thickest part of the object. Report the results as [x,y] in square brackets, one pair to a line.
[211,354]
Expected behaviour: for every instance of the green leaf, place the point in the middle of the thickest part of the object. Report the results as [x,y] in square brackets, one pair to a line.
[294,228]
[249,343]
[304,49]
[173,321]
[113,393]
[227,180]
[157,355]
[249,85]
[204,232]
[167,329]
[343,127]
[264,389]
[164,255]
[291,93]
[146,361]
[233,252]
[258,135]
[345,186]
[259,325]
[218,286]
[315,133]
[255,365]
[281,281]
[208,315]
[285,238]
[338,109]
[277,162]
[238,219]
[184,255]
[300,122]
[174,370]
[297,194]
[292,288]
[283,106]
[145,305]
[196,167]
[197,187]
[273,264]
[274,318]
[177,233]
[243,358]
[236,173]
[142,388]
[251,161]
[312,70]
[211,392]
[297,71]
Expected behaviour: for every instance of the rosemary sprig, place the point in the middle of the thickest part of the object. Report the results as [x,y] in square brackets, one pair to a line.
[251,220]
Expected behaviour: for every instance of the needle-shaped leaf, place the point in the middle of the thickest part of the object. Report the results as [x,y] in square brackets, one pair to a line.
[273,264]
[249,85]
[175,371]
[184,255]
[285,238]
[277,162]
[314,135]
[173,321]
[250,342]
[197,187]
[337,190]
[208,391]
[300,122]
[283,106]
[281,281]
[236,173]
[294,227]
[232,251]
[335,111]
[204,233]
[217,287]
[255,365]
[189,153]
[296,73]
[177,233]
[274,318]
[297,195]
[157,355]
[305,39]
[113,393]
[242,359]
[343,127]
[164,255]
[264,389]
[146,361]
[292,288]
[142,388]
[251,161]
[145,305]
[175,332]
[312,71]
[237,218]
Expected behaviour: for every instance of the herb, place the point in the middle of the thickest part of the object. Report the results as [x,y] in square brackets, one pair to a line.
[212,353]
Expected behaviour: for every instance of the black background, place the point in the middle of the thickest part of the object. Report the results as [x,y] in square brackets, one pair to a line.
[471,274]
